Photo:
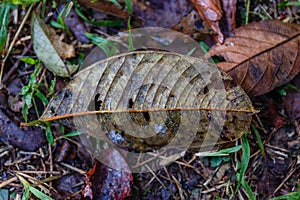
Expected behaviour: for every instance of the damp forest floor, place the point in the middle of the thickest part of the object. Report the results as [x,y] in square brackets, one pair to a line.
[50,161]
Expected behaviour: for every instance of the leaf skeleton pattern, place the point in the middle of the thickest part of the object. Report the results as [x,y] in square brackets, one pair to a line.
[150,81]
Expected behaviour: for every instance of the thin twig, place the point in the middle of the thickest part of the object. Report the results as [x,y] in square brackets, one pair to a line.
[38,172]
[154,175]
[80,171]
[178,187]
[7,182]
[214,188]
[283,182]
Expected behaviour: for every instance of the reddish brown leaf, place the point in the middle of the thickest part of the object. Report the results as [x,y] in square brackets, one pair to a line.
[210,11]
[261,56]
[108,183]
[105,6]
[193,26]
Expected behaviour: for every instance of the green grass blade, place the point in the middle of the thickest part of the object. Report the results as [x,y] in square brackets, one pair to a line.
[41,96]
[29,60]
[190,53]
[25,195]
[32,123]
[281,91]
[24,2]
[110,23]
[68,10]
[292,87]
[51,89]
[25,112]
[259,141]
[4,16]
[289,196]
[39,194]
[293,3]
[248,190]
[49,135]
[116,3]
[44,9]
[129,6]
[106,45]
[245,160]
[222,152]
[205,48]
[247,11]
[24,182]
[74,133]
[35,108]
[57,25]
[130,40]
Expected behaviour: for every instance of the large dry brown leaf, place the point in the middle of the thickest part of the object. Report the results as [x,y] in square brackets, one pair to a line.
[261,56]
[152,81]
[153,100]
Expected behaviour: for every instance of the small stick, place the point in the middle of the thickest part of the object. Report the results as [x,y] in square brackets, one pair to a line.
[80,171]
[283,182]
[9,181]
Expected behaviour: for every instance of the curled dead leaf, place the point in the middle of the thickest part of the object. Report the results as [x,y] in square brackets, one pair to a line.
[261,56]
[211,12]
[50,49]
